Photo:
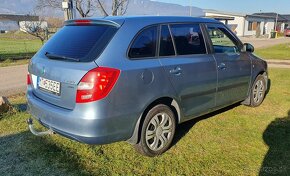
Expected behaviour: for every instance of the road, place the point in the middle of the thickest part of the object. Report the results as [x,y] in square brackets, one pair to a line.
[13,79]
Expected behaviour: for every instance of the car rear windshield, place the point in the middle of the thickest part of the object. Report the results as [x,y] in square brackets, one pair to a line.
[83,43]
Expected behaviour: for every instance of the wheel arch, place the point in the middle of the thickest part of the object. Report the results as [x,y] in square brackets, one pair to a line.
[264,73]
[170,102]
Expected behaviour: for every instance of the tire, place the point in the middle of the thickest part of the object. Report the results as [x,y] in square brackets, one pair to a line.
[157,131]
[258,91]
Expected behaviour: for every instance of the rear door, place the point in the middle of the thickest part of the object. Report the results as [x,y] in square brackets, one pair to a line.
[234,66]
[191,70]
[61,63]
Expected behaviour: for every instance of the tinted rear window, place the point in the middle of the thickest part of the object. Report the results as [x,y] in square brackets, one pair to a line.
[188,39]
[166,44]
[81,42]
[144,44]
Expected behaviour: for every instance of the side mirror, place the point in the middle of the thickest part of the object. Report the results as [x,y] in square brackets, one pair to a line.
[249,48]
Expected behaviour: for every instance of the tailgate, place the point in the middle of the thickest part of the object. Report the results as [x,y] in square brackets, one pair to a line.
[67,74]
[61,63]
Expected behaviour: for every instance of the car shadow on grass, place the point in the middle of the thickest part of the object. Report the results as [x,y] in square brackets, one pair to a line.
[25,154]
[184,128]
[277,137]
[21,107]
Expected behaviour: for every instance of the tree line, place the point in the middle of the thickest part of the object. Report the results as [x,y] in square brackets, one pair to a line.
[85,8]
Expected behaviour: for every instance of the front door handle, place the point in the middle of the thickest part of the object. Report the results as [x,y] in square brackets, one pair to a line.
[176,71]
[222,66]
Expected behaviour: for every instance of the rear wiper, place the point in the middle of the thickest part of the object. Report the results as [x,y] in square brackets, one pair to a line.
[58,57]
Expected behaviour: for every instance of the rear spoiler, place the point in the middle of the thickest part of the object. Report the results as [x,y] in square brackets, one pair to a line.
[88,22]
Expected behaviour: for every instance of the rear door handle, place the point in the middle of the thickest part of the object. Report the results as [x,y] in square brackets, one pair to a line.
[176,71]
[222,66]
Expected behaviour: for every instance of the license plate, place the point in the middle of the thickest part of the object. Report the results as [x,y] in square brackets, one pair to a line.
[49,86]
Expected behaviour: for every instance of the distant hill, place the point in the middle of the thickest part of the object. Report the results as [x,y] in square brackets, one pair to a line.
[17,6]
[147,7]
[136,7]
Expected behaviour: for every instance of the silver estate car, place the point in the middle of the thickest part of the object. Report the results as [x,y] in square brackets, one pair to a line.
[102,80]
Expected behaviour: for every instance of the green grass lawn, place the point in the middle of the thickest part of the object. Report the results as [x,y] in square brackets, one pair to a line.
[237,141]
[281,52]
[11,62]
[18,46]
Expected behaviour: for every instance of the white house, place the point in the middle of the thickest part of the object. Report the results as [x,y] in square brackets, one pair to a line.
[30,26]
[248,25]
[10,22]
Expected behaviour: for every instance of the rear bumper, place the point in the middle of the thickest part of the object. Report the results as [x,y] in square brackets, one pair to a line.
[86,127]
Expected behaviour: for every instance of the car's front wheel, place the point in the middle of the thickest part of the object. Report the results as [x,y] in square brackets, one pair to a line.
[157,131]
[258,91]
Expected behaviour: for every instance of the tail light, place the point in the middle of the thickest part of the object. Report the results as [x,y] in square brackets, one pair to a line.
[28,79]
[96,84]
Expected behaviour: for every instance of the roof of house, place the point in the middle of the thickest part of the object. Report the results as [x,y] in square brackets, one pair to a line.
[12,17]
[271,15]
[224,13]
[287,17]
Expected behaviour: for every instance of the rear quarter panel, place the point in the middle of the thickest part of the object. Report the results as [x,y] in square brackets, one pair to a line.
[141,81]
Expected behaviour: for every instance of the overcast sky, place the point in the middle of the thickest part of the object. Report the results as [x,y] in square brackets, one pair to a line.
[244,6]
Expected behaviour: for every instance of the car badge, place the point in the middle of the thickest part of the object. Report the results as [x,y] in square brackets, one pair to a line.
[43,71]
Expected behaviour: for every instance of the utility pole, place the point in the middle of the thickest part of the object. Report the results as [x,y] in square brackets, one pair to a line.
[190,10]
[276,23]
[67,6]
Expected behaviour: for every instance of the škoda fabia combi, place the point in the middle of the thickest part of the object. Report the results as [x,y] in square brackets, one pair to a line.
[134,79]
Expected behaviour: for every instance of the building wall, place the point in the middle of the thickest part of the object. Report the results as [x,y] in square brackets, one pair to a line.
[24,24]
[266,26]
[9,25]
[252,32]
[270,25]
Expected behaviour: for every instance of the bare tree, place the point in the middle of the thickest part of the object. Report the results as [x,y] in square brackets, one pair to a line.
[102,8]
[119,7]
[54,22]
[49,3]
[84,7]
[35,28]
[87,8]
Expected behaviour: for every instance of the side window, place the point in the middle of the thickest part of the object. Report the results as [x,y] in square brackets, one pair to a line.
[166,44]
[221,40]
[144,44]
[188,39]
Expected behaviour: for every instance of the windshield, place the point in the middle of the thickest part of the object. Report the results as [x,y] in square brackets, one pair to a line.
[83,43]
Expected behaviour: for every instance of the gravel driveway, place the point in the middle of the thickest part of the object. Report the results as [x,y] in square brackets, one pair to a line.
[12,80]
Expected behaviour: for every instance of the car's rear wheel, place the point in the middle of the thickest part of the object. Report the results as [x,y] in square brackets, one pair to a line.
[258,91]
[157,131]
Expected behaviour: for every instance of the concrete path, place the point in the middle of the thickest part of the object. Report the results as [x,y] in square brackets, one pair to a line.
[278,63]
[12,80]
[264,43]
